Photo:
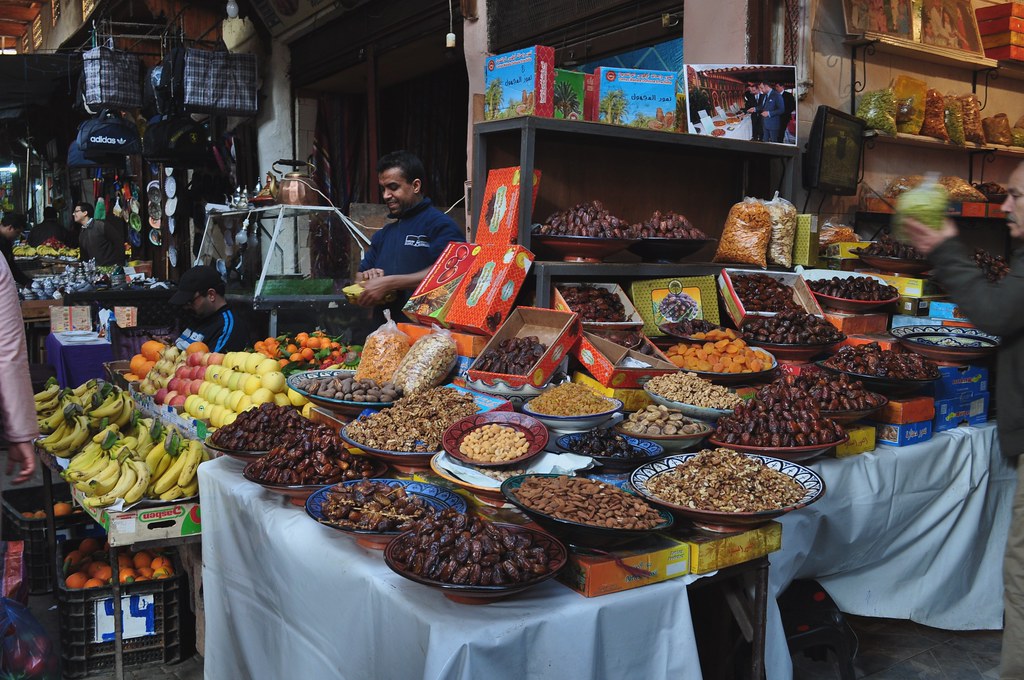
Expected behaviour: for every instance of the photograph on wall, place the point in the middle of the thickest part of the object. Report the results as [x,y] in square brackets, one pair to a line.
[887,17]
[950,23]
[750,102]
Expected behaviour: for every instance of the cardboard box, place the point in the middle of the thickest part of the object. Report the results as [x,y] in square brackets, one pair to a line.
[471,287]
[662,558]
[461,369]
[805,245]
[499,215]
[1009,52]
[709,553]
[466,344]
[1005,9]
[558,330]
[603,359]
[843,250]
[173,520]
[917,306]
[965,409]
[520,83]
[895,434]
[570,106]
[734,306]
[650,97]
[633,399]
[633,318]
[1000,25]
[910,410]
[648,295]
[840,265]
[960,380]
[913,286]
[900,320]
[76,318]
[946,310]
[884,341]
[862,440]
[859,324]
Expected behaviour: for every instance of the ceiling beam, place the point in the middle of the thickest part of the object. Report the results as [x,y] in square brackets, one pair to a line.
[22,14]
[12,29]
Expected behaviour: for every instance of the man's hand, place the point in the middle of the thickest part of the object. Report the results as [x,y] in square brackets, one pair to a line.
[23,456]
[924,238]
[764,114]
[369,275]
[375,289]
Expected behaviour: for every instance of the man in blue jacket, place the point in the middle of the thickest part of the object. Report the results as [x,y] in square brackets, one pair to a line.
[772,112]
[401,254]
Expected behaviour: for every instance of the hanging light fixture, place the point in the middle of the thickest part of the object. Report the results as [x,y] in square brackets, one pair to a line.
[232,9]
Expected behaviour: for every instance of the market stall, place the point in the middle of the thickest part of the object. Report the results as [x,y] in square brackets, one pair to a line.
[77,356]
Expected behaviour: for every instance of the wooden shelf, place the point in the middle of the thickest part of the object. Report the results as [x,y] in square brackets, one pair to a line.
[944,56]
[924,142]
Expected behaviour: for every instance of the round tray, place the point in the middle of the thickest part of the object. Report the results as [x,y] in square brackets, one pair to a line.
[579,248]
[244,456]
[489,495]
[793,454]
[403,461]
[702,413]
[669,328]
[668,249]
[534,431]
[795,352]
[889,387]
[298,493]
[671,443]
[740,378]
[895,264]
[946,343]
[574,423]
[847,305]
[729,522]
[342,406]
[648,450]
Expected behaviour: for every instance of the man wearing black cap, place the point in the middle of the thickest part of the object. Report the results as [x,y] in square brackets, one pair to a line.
[201,290]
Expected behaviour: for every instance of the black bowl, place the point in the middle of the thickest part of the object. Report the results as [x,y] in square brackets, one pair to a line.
[578,248]
[668,249]
[644,450]
[897,265]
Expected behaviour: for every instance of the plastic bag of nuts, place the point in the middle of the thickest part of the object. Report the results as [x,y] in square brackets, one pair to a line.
[745,236]
[428,362]
[383,352]
[780,248]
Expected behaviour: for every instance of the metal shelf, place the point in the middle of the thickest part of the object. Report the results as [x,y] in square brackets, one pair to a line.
[944,56]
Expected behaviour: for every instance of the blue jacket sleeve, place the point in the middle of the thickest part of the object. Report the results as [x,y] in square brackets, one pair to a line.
[445,232]
[369,260]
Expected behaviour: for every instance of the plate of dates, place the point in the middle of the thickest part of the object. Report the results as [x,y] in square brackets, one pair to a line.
[883,371]
[840,398]
[613,450]
[359,468]
[579,248]
[373,511]
[895,264]
[500,559]
[852,293]
[946,343]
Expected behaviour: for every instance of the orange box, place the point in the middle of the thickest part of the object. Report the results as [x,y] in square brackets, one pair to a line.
[592,575]
[884,341]
[859,324]
[904,411]
[1002,39]
[499,214]
[709,553]
[1014,52]
[467,345]
[471,287]
[1004,9]
[973,209]
[558,330]
[1001,25]
[602,357]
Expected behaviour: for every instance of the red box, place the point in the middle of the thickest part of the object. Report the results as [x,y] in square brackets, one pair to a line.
[558,330]
[859,324]
[1001,25]
[590,97]
[1011,52]
[904,411]
[602,357]
[471,287]
[1006,9]
[802,293]
[499,217]
[467,345]
[884,341]
[973,209]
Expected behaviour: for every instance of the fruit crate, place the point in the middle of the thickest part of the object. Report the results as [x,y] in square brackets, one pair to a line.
[159,626]
[32,530]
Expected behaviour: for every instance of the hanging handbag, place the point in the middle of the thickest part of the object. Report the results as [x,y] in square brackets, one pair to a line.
[108,134]
[178,140]
[112,79]
[220,82]
[169,89]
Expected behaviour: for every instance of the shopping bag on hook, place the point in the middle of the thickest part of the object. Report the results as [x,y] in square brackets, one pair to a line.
[113,79]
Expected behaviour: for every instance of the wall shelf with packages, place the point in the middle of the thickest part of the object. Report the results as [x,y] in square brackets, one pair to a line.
[944,56]
[925,142]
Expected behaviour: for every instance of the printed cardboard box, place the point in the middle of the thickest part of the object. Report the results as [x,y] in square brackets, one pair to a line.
[610,363]
[675,299]
[999,11]
[173,520]
[960,380]
[805,245]
[559,331]
[499,216]
[904,411]
[663,558]
[633,318]
[965,409]
[884,341]
[913,286]
[917,306]
[900,320]
[711,552]
[946,310]
[862,440]
[734,306]
[839,265]
[843,250]
[466,344]
[520,83]
[895,434]
[570,94]
[632,398]
[637,98]
[859,324]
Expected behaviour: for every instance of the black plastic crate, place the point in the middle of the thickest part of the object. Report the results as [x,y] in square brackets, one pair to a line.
[169,622]
[33,530]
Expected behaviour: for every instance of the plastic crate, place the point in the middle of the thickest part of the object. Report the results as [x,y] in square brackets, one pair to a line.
[33,531]
[168,623]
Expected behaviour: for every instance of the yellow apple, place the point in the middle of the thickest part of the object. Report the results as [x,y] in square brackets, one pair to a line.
[274,381]
[262,396]
[296,399]
[203,408]
[307,410]
[190,402]
[234,397]
[235,380]
[267,366]
[217,415]
[222,397]
[244,404]
[229,417]
[281,399]
[250,384]
[252,361]
[224,377]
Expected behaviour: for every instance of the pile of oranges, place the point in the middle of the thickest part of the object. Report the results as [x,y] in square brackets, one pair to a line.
[88,567]
[309,351]
[60,509]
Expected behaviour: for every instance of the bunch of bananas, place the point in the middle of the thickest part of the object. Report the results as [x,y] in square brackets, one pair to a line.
[24,250]
[69,417]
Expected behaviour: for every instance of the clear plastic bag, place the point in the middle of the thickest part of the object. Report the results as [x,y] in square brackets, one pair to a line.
[971,107]
[925,203]
[909,94]
[1017,136]
[997,129]
[935,116]
[960,190]
[878,110]
[28,652]
[748,228]
[900,184]
[780,245]
[830,233]
[954,119]
[383,352]
[428,362]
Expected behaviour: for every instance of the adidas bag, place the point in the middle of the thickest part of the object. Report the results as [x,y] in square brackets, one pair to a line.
[108,135]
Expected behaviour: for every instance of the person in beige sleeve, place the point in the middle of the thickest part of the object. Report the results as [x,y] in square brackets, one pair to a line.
[17,408]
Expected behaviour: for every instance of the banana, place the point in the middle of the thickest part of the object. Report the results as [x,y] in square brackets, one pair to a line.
[145,443]
[50,423]
[158,472]
[84,461]
[172,493]
[59,432]
[49,403]
[142,476]
[170,477]
[110,408]
[155,454]
[110,434]
[127,409]
[86,387]
[75,440]
[83,476]
[195,457]
[190,490]
[125,482]
[106,478]
[49,391]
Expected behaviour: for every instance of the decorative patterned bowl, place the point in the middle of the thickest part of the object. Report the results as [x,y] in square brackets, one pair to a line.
[946,343]
[404,461]
[534,431]
[895,264]
[342,406]
[575,423]
[643,451]
[848,305]
[702,413]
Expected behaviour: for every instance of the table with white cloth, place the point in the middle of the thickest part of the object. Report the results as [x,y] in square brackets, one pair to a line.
[288,598]
[914,532]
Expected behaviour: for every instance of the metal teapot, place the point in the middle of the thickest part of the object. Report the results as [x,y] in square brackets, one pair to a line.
[296,187]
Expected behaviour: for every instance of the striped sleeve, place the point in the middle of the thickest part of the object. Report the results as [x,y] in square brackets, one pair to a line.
[227,328]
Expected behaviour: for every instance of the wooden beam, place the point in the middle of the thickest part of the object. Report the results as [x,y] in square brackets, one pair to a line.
[21,14]
[9,28]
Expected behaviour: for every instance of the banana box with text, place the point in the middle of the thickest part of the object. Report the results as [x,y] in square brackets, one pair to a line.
[965,409]
[125,527]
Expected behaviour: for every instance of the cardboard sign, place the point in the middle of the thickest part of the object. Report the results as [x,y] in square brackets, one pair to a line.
[126,317]
[63,319]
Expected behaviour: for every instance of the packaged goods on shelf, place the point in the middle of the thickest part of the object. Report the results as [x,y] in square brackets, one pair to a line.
[805,247]
[965,409]
[909,305]
[900,320]
[837,264]
[558,331]
[859,324]
[1002,30]
[895,434]
[734,306]
[913,286]
[694,296]
[661,559]
[844,249]
[499,214]
[632,398]
[520,83]
[616,366]
[946,310]
[650,95]
[571,94]
[909,410]
[709,553]
[955,381]
[862,440]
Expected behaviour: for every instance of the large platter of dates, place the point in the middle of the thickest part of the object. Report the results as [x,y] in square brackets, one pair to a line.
[792,335]
[852,293]
[668,237]
[889,255]
[890,373]
[373,511]
[840,397]
[471,560]
[586,232]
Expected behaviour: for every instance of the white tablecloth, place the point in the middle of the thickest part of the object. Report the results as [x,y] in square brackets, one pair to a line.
[909,533]
[287,598]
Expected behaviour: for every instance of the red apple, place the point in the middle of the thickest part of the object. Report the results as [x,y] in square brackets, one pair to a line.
[204,358]
[171,394]
[181,371]
[194,359]
[193,388]
[178,400]
[215,359]
[161,396]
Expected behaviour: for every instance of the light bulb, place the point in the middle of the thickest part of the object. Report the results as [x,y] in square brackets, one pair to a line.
[232,9]
[449,40]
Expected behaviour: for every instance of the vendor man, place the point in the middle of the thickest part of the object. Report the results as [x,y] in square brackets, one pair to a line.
[99,240]
[201,291]
[12,226]
[401,254]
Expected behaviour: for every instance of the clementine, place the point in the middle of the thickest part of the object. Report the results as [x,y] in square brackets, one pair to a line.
[88,546]
[151,349]
[103,572]
[126,575]
[94,583]
[142,559]
[137,364]
[163,572]
[196,347]
[76,580]
[159,562]
[61,509]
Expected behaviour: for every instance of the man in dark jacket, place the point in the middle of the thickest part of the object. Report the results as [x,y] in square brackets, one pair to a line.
[788,106]
[995,308]
[12,226]
[47,229]
[100,240]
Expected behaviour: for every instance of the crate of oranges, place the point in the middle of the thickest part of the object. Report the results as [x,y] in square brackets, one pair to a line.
[719,351]
[309,351]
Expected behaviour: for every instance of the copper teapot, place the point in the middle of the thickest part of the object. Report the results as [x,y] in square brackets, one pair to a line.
[296,187]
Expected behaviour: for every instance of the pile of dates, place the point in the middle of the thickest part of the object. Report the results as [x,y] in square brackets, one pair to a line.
[994,266]
[668,225]
[319,458]
[347,388]
[762,293]
[455,548]
[373,506]
[887,246]
[791,327]
[261,429]
[587,219]
[689,327]
[513,356]
[871,359]
[604,443]
[865,288]
[781,415]
[594,304]
[835,391]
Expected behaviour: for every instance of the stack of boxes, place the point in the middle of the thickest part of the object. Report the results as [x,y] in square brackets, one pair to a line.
[1002,30]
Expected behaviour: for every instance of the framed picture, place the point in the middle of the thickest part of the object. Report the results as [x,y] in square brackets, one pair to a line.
[888,17]
[950,23]
[752,102]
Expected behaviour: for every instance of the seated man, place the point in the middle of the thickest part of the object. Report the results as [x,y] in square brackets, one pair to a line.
[201,290]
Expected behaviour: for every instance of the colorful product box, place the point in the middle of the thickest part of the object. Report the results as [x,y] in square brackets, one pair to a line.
[499,214]
[843,250]
[960,380]
[859,324]
[895,434]
[965,409]
[1010,52]
[659,560]
[999,11]
[900,320]
[616,366]
[709,553]
[559,331]
[917,306]
[520,83]
[466,344]
[862,440]
[1000,26]
[696,296]
[570,94]
[633,318]
[947,310]
[738,313]
[471,287]
[633,399]
[883,341]
[910,285]
[805,245]
[839,265]
[637,98]
[127,527]
[904,411]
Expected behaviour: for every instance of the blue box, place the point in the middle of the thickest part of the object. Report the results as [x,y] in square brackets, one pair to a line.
[520,83]
[637,98]
[946,310]
[462,365]
[902,435]
[966,409]
[960,380]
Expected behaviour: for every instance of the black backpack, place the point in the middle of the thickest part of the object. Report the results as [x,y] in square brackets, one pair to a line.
[106,135]
[178,140]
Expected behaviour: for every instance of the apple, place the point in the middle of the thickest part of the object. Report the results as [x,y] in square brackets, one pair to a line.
[281,399]
[193,387]
[217,415]
[229,418]
[274,381]
[193,359]
[169,396]
[214,359]
[244,404]
[250,384]
[253,361]
[296,399]
[235,380]
[198,372]
[234,396]
[262,396]
[179,400]
[222,397]
[161,396]
[174,384]
[181,372]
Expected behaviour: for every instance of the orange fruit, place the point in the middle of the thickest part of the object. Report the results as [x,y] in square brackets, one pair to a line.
[163,572]
[131,377]
[151,349]
[291,348]
[295,357]
[125,561]
[137,363]
[94,583]
[159,562]
[196,347]
[103,572]
[72,560]
[88,546]
[39,514]
[283,362]
[145,369]
[313,343]
[144,572]
[307,354]
[76,580]
[139,579]
[27,514]
[301,338]
[142,559]
[61,509]
[126,575]
[260,346]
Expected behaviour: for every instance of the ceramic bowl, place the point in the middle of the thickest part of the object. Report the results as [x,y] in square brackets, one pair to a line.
[672,443]
[787,352]
[895,264]
[728,522]
[946,343]
[534,431]
[848,417]
[741,378]
[244,456]
[516,395]
[668,249]
[642,450]
[702,413]
[848,305]
[342,406]
[890,387]
[575,423]
[404,461]
[793,454]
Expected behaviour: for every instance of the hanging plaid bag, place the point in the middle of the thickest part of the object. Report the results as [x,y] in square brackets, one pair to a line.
[113,79]
[220,82]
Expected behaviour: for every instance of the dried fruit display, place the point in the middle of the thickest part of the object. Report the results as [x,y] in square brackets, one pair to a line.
[594,304]
[604,442]
[995,266]
[887,246]
[792,327]
[835,391]
[689,388]
[347,388]
[260,429]
[319,457]
[864,288]
[762,293]
[781,415]
[723,356]
[587,501]
[871,359]
[668,225]
[373,506]
[415,423]
[513,356]
[587,219]
[660,421]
